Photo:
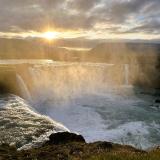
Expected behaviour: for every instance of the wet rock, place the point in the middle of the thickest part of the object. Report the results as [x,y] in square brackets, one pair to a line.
[65,137]
[157,101]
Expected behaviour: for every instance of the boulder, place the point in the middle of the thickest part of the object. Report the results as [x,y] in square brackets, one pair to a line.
[65,137]
[157,101]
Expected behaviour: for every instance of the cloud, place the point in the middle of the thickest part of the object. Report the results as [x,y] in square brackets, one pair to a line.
[121,11]
[114,16]
[82,5]
[36,15]
[148,27]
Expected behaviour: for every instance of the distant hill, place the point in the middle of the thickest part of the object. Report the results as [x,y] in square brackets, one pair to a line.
[19,48]
[105,52]
[32,49]
[125,53]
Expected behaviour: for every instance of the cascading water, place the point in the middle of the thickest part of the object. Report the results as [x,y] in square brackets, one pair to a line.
[22,126]
[23,88]
[90,99]
[84,98]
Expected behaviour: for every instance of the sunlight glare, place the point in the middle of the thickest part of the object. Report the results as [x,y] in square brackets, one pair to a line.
[50,35]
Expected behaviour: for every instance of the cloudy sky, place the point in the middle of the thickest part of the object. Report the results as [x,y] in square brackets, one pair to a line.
[87,19]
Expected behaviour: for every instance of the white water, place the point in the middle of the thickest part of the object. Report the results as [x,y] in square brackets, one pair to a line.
[107,117]
[82,97]
[21,125]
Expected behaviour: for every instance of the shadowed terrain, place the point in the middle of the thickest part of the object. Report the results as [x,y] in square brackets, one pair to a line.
[78,150]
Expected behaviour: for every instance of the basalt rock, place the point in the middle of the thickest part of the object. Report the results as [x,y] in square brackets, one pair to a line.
[157,101]
[65,137]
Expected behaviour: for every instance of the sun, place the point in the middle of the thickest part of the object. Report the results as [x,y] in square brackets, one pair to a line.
[49,35]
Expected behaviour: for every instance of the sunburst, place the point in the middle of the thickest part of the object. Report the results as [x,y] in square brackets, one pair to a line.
[49,35]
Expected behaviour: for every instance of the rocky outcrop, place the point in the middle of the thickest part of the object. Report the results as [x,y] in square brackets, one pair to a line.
[65,137]
[157,101]
[70,146]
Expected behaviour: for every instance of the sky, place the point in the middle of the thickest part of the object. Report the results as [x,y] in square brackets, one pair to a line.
[81,19]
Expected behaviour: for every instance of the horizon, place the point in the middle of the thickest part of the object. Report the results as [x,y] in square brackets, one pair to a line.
[79,78]
[77,44]
[85,21]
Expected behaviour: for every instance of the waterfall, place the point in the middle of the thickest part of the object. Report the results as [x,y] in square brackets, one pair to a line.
[126,74]
[23,88]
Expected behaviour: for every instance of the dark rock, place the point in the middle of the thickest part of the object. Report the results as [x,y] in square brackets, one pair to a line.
[65,137]
[157,101]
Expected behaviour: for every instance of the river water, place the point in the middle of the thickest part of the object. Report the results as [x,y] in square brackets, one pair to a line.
[82,97]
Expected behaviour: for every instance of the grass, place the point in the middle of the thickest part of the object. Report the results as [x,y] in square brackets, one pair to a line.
[79,151]
[125,156]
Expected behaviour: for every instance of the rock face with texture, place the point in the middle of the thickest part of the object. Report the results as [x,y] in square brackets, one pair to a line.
[65,137]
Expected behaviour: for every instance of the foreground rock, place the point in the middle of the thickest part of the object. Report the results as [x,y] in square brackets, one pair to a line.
[65,137]
[69,146]
[157,101]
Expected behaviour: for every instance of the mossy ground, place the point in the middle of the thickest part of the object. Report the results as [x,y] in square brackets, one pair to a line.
[79,151]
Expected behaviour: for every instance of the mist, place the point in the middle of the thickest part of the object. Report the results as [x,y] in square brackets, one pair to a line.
[106,64]
[101,93]
[87,67]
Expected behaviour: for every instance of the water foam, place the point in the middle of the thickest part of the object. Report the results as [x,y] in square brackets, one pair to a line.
[22,125]
[79,96]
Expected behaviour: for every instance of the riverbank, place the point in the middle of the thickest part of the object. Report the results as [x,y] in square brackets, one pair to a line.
[73,147]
